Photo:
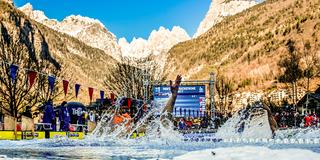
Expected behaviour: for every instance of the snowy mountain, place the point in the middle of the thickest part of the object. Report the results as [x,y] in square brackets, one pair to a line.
[159,42]
[95,34]
[88,30]
[219,9]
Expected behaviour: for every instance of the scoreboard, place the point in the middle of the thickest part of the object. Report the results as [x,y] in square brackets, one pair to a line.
[191,100]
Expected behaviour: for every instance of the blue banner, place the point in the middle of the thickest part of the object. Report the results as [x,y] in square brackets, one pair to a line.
[13,72]
[101,96]
[190,99]
[51,81]
[77,88]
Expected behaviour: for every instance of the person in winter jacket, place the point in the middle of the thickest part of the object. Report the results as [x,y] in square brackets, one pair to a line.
[64,117]
[307,120]
[49,115]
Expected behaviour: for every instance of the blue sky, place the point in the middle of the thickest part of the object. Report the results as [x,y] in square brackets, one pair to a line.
[129,18]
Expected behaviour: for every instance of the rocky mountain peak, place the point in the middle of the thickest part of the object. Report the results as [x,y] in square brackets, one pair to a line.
[219,9]
[36,15]
[158,42]
[88,30]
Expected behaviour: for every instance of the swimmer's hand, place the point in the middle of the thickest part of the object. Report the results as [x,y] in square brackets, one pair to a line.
[175,87]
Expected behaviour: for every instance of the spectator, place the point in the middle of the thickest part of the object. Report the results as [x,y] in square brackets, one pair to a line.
[315,119]
[64,117]
[49,115]
[189,123]
[307,120]
[182,124]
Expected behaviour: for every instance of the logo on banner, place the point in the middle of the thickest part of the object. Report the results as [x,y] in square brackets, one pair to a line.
[77,112]
[201,89]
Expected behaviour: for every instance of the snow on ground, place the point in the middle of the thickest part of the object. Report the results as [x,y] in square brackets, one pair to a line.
[250,153]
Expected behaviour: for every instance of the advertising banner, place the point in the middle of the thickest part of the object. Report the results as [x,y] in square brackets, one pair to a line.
[190,99]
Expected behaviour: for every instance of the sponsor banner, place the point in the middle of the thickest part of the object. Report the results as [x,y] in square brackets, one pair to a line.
[190,99]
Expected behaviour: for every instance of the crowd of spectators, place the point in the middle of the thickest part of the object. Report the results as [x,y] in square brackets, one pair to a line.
[65,117]
[189,123]
[292,119]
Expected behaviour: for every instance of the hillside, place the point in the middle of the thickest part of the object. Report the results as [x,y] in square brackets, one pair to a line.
[80,62]
[248,46]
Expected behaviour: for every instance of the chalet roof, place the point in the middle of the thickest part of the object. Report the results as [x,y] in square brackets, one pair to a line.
[317,90]
[313,97]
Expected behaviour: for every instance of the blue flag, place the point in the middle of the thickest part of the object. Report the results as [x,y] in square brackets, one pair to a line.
[51,81]
[13,72]
[77,87]
[101,96]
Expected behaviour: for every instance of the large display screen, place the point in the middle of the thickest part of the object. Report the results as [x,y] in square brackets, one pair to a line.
[191,100]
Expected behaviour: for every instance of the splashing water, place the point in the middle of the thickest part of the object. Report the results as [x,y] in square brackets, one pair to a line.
[154,125]
[248,123]
[161,141]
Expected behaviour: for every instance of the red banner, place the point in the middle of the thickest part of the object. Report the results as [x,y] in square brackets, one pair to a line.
[31,76]
[112,98]
[129,102]
[90,93]
[65,86]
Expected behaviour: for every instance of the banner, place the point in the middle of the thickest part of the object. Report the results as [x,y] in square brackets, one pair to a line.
[112,97]
[190,97]
[13,72]
[90,93]
[77,88]
[51,81]
[65,86]
[101,97]
[129,102]
[31,77]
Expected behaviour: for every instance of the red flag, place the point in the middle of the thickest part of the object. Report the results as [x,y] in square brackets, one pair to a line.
[129,102]
[31,76]
[90,93]
[112,98]
[65,86]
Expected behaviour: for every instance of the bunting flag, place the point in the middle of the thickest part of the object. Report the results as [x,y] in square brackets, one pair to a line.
[77,88]
[65,86]
[112,97]
[197,113]
[101,97]
[180,112]
[31,77]
[90,90]
[185,112]
[51,81]
[13,72]
[129,102]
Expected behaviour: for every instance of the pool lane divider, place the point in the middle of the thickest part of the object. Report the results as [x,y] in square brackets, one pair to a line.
[284,141]
[27,135]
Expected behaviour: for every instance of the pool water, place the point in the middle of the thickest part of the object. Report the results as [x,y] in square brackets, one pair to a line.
[122,149]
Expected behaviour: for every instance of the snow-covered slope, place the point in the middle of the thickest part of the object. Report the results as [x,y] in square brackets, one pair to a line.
[159,41]
[219,9]
[88,30]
